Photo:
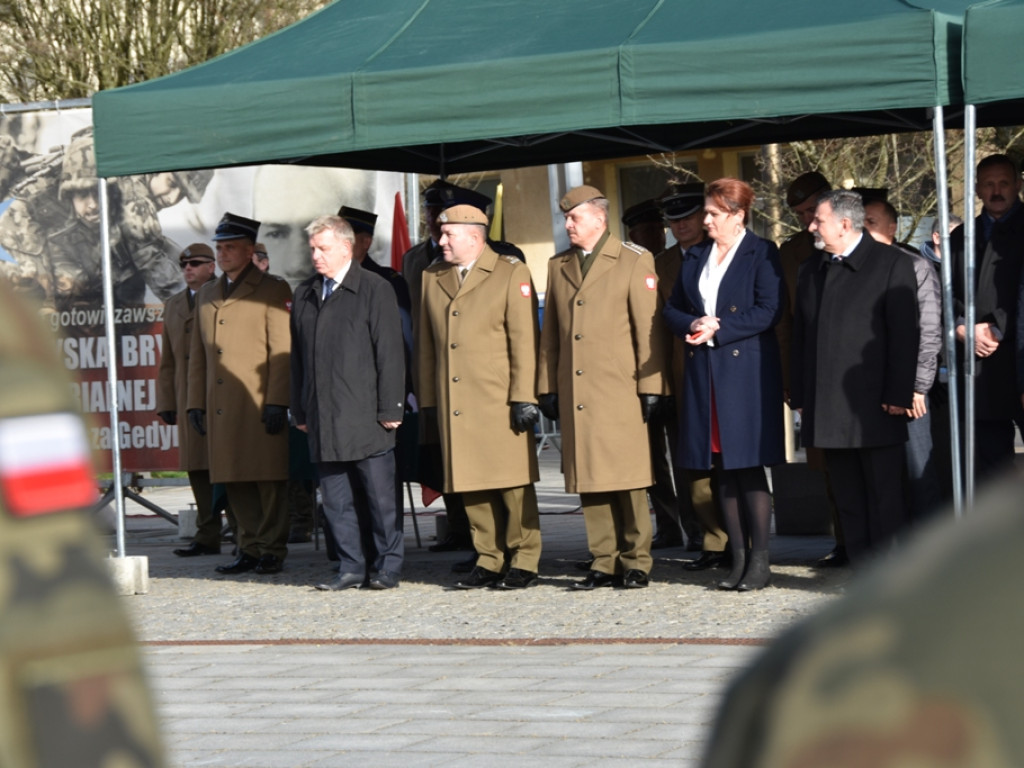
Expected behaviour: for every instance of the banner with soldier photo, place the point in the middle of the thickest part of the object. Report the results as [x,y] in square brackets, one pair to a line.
[50,253]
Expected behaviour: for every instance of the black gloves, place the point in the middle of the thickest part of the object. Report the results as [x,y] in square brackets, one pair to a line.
[548,405]
[197,418]
[650,405]
[274,418]
[524,416]
[169,417]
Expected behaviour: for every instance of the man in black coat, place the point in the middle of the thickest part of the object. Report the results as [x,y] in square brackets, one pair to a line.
[999,254]
[348,390]
[854,357]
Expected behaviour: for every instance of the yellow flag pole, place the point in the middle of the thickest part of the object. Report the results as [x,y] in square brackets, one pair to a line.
[496,218]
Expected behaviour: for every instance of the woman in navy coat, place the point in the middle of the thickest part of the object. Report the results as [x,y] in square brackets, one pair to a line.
[728,298]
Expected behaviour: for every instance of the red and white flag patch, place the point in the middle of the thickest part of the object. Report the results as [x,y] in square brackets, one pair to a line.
[651,282]
[524,288]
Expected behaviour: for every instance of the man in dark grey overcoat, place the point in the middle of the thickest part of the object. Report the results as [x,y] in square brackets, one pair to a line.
[348,391]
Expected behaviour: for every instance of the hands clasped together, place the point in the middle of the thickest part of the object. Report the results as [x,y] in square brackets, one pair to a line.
[702,329]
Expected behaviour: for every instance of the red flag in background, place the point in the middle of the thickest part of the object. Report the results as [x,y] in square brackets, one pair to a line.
[399,234]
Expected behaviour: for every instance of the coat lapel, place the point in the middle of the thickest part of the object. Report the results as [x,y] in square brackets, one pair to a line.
[741,264]
[694,266]
[448,281]
[480,271]
[571,270]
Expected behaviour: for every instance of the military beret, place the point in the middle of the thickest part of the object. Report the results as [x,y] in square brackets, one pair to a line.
[233,227]
[682,200]
[196,251]
[462,214]
[805,185]
[360,221]
[640,213]
[579,195]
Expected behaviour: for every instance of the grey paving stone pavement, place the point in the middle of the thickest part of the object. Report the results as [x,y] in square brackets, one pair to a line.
[265,671]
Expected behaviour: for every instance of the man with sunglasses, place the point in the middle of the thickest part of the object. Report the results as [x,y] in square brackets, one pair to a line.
[198,268]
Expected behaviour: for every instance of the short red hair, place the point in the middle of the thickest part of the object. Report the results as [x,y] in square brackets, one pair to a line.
[731,195]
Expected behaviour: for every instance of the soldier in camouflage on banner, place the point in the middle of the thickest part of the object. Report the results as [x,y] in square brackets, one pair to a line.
[140,254]
[51,230]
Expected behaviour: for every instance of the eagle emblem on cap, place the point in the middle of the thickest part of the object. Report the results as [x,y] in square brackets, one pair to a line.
[443,217]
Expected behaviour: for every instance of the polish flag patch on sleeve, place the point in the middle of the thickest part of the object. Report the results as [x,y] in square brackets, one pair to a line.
[651,282]
[524,288]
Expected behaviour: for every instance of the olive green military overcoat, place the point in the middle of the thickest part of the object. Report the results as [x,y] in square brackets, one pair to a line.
[239,363]
[602,345]
[477,350]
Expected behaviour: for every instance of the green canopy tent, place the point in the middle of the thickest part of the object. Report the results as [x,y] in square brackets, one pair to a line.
[441,87]
[436,86]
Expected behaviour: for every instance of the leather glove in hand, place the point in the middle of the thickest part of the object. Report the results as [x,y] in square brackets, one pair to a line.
[197,418]
[548,405]
[650,405]
[524,416]
[274,418]
[169,417]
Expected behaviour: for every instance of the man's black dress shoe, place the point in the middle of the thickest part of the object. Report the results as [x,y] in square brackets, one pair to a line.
[343,581]
[384,580]
[194,549]
[707,560]
[584,565]
[516,578]
[478,578]
[465,566]
[834,559]
[241,565]
[596,579]
[667,540]
[269,564]
[451,544]
[635,579]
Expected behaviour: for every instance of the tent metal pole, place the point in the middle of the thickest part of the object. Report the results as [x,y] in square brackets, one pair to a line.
[108,318]
[948,321]
[970,362]
[412,206]
[561,178]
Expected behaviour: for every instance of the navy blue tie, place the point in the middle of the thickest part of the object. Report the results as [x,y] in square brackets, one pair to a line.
[328,287]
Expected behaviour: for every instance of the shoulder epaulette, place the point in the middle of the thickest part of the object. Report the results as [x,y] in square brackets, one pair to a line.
[634,247]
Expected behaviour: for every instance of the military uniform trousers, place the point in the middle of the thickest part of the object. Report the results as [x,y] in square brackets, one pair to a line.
[207,521]
[618,530]
[340,483]
[671,494]
[261,512]
[704,496]
[505,521]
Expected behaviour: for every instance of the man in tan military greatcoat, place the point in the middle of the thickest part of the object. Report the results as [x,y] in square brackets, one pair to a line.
[603,372]
[238,392]
[198,266]
[477,369]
